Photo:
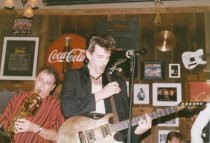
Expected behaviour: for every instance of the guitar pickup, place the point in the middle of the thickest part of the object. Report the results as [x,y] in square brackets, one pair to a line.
[87,136]
[82,137]
[90,136]
[106,131]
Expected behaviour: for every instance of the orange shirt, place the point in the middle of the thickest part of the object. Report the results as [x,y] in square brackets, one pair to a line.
[48,116]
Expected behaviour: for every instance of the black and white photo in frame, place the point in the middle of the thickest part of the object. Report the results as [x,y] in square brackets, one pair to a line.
[174,71]
[141,94]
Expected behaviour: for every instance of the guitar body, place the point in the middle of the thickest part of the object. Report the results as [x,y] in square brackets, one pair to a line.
[90,129]
[192,59]
[81,129]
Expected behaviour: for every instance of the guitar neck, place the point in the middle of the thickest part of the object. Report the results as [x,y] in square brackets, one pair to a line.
[134,121]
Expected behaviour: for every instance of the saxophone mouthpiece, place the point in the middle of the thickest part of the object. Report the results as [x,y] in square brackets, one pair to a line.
[38,91]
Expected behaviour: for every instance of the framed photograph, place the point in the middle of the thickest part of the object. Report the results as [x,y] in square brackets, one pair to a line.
[170,123]
[152,70]
[19,58]
[162,134]
[166,94]
[199,91]
[141,94]
[174,70]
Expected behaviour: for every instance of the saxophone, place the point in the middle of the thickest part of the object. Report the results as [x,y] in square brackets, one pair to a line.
[28,107]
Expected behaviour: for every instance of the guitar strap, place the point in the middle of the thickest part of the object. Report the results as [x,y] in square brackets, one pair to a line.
[114,110]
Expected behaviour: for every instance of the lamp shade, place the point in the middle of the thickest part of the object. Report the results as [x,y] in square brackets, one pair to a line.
[28,12]
[9,4]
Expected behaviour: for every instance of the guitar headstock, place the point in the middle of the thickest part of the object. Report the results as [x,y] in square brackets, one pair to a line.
[194,105]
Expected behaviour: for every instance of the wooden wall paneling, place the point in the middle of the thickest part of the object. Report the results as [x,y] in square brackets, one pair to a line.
[207,41]
[69,24]
[41,31]
[54,28]
[7,24]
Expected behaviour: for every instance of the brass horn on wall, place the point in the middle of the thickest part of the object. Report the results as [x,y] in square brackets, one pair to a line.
[165,40]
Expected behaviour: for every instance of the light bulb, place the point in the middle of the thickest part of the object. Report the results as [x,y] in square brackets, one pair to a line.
[28,12]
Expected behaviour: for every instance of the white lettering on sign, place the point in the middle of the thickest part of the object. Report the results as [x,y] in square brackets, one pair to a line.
[75,55]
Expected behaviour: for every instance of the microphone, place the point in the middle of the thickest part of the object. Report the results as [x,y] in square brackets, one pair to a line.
[132,53]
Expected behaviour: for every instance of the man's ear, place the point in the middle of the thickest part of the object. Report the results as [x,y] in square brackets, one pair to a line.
[88,54]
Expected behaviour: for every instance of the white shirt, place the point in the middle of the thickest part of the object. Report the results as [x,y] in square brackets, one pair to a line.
[200,122]
[100,106]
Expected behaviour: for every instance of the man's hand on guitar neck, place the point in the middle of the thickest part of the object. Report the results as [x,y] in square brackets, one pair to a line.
[144,125]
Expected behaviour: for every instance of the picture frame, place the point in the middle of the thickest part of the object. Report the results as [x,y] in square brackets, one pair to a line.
[166,94]
[19,58]
[141,94]
[152,70]
[162,135]
[170,123]
[174,70]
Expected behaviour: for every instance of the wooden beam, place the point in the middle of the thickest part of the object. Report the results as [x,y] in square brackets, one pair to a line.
[112,11]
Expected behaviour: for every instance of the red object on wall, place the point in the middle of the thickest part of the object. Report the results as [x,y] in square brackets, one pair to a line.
[57,57]
[199,91]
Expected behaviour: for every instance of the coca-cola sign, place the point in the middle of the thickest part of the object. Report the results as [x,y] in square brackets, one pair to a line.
[71,56]
[58,57]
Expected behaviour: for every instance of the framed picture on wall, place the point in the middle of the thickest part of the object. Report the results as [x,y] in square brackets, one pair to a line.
[170,123]
[166,94]
[162,134]
[19,58]
[152,70]
[174,70]
[141,94]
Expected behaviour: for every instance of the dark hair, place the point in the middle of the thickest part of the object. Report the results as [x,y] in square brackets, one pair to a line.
[50,70]
[104,40]
[173,134]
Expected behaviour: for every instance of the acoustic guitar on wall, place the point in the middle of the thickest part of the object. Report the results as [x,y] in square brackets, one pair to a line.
[191,59]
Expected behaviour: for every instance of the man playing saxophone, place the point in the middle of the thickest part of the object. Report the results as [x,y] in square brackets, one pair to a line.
[34,116]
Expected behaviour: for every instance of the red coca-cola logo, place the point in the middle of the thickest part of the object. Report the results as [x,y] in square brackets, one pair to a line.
[75,55]
[57,57]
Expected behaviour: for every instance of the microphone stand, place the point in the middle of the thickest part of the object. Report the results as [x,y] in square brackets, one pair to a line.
[131,86]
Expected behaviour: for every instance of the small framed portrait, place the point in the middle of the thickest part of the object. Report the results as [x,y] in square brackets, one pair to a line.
[152,70]
[19,58]
[162,135]
[166,94]
[174,70]
[141,94]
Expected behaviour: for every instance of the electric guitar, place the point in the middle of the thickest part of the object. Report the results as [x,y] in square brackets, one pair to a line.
[81,129]
[192,59]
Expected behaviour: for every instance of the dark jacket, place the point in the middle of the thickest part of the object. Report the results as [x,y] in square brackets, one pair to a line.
[77,99]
